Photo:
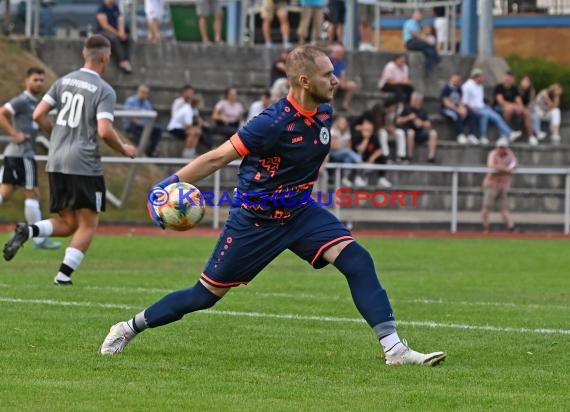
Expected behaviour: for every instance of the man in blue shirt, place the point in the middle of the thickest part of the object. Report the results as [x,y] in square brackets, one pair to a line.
[349,87]
[111,24]
[134,126]
[415,40]
[282,149]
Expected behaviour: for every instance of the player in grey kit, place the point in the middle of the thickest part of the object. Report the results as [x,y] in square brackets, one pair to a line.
[20,169]
[85,104]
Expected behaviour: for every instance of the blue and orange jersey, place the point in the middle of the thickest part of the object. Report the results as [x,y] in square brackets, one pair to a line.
[283,149]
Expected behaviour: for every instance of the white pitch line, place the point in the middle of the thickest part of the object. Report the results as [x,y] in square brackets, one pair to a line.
[324,297]
[287,316]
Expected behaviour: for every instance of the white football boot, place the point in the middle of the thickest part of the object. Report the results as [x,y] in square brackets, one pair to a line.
[119,336]
[403,355]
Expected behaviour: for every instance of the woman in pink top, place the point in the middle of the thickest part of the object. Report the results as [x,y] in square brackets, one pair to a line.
[496,184]
[229,111]
[396,79]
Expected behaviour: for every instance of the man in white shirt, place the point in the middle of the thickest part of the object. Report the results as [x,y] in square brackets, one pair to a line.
[473,98]
[181,126]
[259,105]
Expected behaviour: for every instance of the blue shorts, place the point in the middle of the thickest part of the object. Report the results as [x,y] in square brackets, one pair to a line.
[247,244]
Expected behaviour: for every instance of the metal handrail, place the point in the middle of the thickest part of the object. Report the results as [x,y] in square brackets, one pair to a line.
[338,167]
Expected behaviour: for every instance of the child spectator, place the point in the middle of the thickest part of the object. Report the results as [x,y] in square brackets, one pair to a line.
[341,151]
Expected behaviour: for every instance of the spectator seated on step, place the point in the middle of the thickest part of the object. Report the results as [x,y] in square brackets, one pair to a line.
[390,132]
[415,122]
[509,104]
[228,115]
[396,79]
[547,108]
[452,108]
[135,126]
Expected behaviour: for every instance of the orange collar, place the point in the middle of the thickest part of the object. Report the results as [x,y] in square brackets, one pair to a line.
[298,107]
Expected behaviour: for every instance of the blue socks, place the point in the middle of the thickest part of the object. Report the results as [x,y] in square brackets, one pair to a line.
[175,305]
[370,298]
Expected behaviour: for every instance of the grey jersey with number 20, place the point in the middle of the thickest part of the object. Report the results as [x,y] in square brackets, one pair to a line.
[80,98]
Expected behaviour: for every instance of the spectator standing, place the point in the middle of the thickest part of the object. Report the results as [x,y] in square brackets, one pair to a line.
[135,126]
[365,30]
[259,105]
[497,183]
[342,152]
[415,122]
[349,87]
[415,40]
[312,13]
[508,102]
[452,108]
[268,10]
[441,26]
[337,15]
[547,108]
[205,9]
[111,24]
[473,95]
[396,79]
[154,10]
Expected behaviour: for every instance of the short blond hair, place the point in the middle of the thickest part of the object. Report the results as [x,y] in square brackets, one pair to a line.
[301,60]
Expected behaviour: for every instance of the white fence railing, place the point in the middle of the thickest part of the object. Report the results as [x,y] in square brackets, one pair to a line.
[455,171]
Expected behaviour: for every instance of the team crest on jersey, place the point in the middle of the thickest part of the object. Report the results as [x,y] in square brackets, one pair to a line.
[324,135]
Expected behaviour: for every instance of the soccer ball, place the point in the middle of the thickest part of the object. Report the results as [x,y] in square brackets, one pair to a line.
[179,205]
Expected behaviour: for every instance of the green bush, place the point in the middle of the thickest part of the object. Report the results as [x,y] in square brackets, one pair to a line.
[543,73]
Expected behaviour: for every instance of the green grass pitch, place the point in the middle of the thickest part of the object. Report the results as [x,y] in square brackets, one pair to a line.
[292,340]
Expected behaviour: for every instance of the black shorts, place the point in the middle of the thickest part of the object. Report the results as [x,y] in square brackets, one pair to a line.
[178,133]
[337,11]
[19,171]
[76,192]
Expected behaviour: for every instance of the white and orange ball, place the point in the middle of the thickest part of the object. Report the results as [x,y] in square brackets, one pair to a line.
[179,205]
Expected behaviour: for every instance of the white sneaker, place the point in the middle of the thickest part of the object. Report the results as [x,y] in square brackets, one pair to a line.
[555,139]
[541,135]
[472,139]
[345,182]
[515,135]
[406,356]
[533,141]
[119,336]
[503,141]
[461,139]
[383,182]
[484,140]
[359,181]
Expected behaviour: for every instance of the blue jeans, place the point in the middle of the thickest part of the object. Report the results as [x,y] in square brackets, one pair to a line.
[429,51]
[486,114]
[345,155]
[459,123]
